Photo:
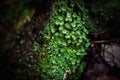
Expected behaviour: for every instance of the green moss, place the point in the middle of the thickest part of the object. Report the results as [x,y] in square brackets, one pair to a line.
[66,42]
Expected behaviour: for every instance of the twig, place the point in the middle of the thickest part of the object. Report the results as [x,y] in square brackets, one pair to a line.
[105,41]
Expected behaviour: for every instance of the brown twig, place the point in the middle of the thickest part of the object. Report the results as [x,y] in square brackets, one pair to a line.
[105,41]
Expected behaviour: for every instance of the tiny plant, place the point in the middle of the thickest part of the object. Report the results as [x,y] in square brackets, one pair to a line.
[65,42]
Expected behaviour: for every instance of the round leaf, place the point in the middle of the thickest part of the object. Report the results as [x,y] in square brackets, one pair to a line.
[64,31]
[53,30]
[67,36]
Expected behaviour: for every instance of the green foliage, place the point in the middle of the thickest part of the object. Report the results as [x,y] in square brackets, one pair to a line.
[65,42]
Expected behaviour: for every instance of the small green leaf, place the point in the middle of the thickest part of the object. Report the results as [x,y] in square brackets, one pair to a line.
[47,37]
[73,24]
[59,42]
[57,34]
[66,19]
[56,49]
[74,15]
[64,44]
[62,50]
[67,36]
[80,40]
[70,19]
[82,49]
[83,22]
[60,17]
[53,30]
[64,31]
[61,22]
[53,61]
[59,10]
[79,25]
[61,28]
[74,37]
[88,44]
[56,22]
[69,41]
[78,32]
[73,63]
[78,18]
[78,53]
[68,14]
[86,31]
[67,25]
[78,44]
[63,9]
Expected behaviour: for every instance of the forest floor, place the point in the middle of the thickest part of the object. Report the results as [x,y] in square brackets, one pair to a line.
[97,67]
